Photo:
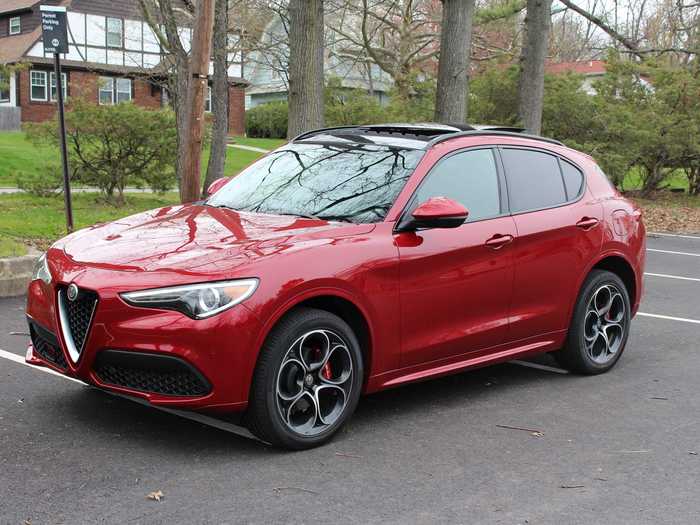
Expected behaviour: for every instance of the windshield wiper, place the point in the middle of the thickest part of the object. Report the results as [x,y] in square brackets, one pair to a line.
[303,215]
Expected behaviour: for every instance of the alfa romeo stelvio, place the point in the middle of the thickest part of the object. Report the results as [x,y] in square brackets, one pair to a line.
[348,261]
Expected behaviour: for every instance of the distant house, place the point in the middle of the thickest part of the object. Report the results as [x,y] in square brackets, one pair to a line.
[591,70]
[114,57]
[267,70]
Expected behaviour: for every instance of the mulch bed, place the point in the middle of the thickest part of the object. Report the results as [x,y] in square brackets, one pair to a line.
[670,212]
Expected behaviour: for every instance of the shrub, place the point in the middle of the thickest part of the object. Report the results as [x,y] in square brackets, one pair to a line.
[112,146]
[345,107]
[267,120]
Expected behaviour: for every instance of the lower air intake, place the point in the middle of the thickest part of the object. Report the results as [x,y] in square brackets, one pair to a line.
[150,373]
[46,345]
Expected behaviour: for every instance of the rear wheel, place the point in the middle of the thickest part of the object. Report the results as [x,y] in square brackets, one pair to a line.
[307,381]
[600,325]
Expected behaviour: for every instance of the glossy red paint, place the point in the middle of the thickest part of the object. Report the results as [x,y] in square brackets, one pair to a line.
[217,185]
[433,301]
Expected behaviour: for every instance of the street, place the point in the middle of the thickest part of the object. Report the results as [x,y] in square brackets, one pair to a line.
[513,444]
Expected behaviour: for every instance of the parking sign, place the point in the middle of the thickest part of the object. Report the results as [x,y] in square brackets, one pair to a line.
[54,27]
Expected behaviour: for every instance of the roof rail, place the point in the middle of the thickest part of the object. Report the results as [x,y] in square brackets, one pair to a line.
[487,132]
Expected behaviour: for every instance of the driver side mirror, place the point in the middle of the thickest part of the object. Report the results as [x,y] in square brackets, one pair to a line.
[437,212]
[217,185]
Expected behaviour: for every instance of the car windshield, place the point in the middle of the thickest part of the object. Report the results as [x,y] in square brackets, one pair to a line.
[334,181]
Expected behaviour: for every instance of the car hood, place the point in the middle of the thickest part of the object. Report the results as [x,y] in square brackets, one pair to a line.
[197,239]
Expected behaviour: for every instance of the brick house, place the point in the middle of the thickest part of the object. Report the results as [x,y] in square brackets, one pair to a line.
[114,57]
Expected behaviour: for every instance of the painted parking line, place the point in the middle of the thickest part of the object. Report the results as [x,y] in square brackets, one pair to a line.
[538,366]
[192,416]
[670,318]
[654,234]
[674,253]
[666,276]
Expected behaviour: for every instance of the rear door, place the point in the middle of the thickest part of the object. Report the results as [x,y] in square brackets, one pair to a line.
[456,283]
[559,232]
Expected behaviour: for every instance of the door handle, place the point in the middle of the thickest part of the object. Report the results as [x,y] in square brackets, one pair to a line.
[586,223]
[498,241]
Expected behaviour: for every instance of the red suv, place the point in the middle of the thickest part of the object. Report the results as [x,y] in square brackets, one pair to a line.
[348,261]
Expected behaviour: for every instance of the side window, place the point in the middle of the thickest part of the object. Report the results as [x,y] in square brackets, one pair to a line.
[573,179]
[470,178]
[534,180]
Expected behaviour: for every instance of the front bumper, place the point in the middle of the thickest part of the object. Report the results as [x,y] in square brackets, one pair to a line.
[162,356]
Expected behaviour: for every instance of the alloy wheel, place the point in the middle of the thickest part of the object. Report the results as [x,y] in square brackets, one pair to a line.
[605,324]
[314,382]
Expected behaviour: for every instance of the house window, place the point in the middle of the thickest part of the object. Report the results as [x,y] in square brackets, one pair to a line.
[114,90]
[123,90]
[207,101]
[106,91]
[64,87]
[38,86]
[115,32]
[15,25]
[4,88]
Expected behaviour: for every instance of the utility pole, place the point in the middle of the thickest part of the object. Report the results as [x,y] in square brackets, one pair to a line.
[199,81]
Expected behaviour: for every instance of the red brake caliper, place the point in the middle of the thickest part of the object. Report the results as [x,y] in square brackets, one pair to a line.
[327,373]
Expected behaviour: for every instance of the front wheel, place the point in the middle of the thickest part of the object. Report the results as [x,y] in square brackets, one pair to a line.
[600,325]
[307,381]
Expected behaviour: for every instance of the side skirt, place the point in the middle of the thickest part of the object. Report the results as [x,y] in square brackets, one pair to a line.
[468,361]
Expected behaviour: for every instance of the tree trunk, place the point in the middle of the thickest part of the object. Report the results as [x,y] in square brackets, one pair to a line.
[178,86]
[199,72]
[532,57]
[305,66]
[453,68]
[219,96]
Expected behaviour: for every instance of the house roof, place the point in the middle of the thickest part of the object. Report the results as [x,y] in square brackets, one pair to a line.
[586,67]
[13,6]
[13,48]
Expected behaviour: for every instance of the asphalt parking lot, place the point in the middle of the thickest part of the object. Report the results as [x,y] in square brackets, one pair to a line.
[508,444]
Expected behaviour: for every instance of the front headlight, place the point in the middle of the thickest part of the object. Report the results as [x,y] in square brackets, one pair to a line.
[41,270]
[197,301]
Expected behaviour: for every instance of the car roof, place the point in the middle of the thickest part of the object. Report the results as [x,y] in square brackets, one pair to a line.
[412,136]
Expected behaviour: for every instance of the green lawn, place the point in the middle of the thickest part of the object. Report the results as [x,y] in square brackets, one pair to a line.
[41,220]
[11,248]
[259,143]
[18,155]
[677,180]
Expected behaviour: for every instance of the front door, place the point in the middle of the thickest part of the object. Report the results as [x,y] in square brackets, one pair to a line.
[456,284]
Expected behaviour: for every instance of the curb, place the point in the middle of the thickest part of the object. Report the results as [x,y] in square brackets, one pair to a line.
[15,273]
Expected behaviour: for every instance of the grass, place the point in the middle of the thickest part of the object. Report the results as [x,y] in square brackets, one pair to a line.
[46,222]
[11,248]
[18,155]
[633,181]
[259,143]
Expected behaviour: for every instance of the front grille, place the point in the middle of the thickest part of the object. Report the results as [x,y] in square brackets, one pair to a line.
[150,373]
[46,345]
[79,315]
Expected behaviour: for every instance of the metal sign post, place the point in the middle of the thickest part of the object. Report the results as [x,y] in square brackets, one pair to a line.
[54,25]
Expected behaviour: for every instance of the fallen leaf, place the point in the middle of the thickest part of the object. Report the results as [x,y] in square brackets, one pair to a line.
[155,496]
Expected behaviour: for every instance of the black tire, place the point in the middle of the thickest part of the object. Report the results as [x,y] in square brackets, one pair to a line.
[264,416]
[575,355]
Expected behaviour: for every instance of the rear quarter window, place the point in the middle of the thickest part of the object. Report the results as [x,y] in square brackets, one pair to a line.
[573,179]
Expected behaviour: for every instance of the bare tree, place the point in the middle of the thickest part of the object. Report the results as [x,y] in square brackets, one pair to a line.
[219,95]
[400,36]
[453,68]
[532,59]
[305,66]
[163,19]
